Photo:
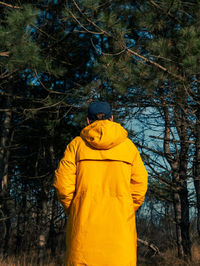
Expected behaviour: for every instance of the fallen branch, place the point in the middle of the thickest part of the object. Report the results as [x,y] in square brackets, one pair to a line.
[149,245]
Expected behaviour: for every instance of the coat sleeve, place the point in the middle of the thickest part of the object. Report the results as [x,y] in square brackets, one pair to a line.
[65,177]
[138,182]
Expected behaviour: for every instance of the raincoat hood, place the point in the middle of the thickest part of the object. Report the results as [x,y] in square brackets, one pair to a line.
[104,134]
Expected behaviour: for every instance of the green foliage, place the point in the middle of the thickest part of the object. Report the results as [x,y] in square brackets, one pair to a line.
[17,19]
[15,38]
[92,4]
[189,49]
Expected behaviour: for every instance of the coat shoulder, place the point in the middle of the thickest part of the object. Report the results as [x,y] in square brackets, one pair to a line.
[130,145]
[75,142]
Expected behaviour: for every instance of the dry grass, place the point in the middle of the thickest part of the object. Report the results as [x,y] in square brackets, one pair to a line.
[167,258]
[196,253]
[32,260]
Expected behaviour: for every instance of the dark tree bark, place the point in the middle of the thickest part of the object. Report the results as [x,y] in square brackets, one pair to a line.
[4,149]
[52,232]
[4,164]
[179,162]
[178,218]
[43,222]
[196,168]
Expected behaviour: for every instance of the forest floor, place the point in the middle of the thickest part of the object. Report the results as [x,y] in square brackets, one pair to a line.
[168,258]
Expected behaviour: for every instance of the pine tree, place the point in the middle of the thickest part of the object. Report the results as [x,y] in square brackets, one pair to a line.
[41,76]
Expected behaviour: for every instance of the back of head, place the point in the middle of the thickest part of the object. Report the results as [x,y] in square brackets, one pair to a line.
[99,111]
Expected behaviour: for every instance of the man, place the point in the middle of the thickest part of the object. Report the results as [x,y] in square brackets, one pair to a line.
[101,181]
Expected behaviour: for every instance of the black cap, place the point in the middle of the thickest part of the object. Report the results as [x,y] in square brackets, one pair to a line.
[99,108]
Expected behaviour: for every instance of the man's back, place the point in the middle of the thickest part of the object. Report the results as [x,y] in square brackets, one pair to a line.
[101,182]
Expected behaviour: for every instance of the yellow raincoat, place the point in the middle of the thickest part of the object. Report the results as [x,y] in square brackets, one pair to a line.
[101,181]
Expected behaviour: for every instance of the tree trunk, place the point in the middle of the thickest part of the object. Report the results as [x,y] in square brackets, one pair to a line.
[4,163]
[185,222]
[197,188]
[179,162]
[52,232]
[181,208]
[42,239]
[196,168]
[183,192]
[4,151]
[177,210]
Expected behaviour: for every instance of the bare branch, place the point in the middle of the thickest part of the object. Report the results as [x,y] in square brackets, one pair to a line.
[9,5]
[50,91]
[147,60]
[43,32]
[150,149]
[50,106]
[155,4]
[172,140]
[89,20]
[161,9]
[4,53]
[150,245]
[82,26]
